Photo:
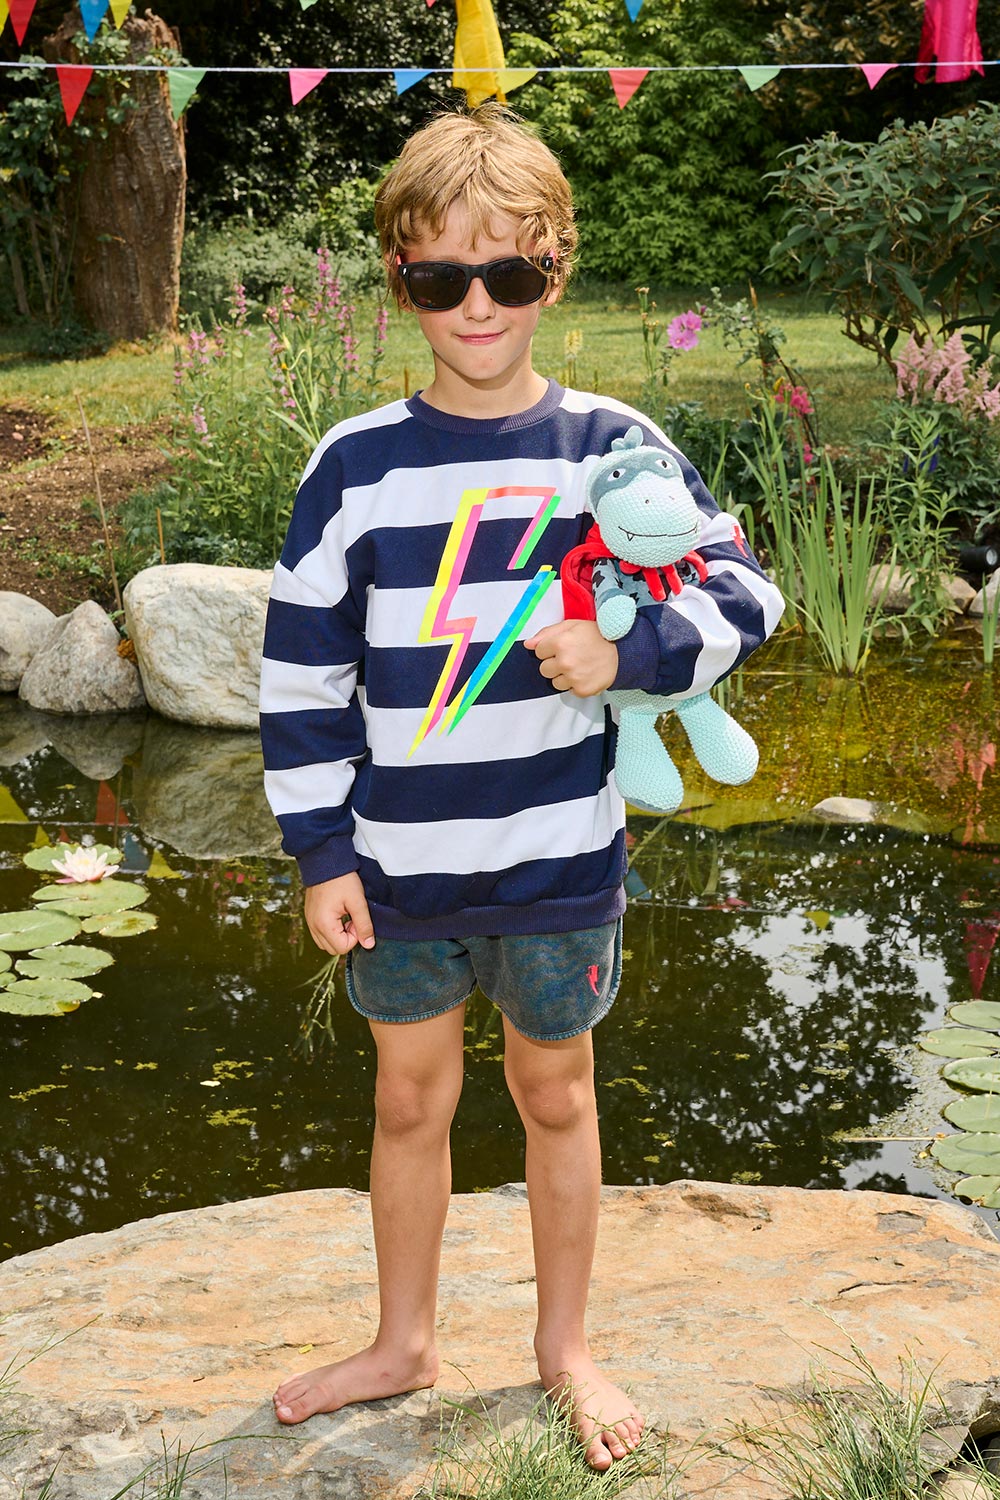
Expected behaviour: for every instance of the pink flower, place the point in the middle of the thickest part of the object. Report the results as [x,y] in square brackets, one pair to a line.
[381,324]
[799,400]
[198,421]
[808,456]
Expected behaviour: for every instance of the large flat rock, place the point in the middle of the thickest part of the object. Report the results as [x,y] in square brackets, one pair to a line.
[708,1298]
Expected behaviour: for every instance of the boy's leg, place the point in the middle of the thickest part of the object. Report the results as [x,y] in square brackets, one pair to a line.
[552,1084]
[417,1088]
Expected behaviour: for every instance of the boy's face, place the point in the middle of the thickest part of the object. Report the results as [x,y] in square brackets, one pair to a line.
[480,343]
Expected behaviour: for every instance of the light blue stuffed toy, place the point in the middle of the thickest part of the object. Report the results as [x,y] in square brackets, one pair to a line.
[643,543]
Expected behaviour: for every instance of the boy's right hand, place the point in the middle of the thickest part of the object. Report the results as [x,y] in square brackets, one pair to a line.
[337,914]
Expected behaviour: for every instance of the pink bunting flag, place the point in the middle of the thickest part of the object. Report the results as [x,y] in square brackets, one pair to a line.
[72,86]
[302,81]
[949,34]
[20,15]
[625,81]
[874,72]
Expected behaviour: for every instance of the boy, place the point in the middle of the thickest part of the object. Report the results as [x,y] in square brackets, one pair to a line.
[438,754]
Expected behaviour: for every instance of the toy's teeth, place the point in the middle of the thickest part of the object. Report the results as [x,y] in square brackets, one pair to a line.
[630,535]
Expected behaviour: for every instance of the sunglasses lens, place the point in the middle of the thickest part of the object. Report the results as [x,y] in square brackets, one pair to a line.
[435,285]
[515,283]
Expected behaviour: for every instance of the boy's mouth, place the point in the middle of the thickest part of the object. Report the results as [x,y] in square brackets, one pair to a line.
[479,338]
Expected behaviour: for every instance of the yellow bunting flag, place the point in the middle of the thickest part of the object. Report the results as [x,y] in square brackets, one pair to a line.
[120,9]
[477,46]
[182,84]
[9,810]
[158,869]
[515,78]
[4,13]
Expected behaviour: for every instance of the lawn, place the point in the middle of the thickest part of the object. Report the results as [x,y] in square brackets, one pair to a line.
[133,384]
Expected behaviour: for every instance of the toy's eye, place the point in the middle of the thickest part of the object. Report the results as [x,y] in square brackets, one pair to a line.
[616,473]
[663,463]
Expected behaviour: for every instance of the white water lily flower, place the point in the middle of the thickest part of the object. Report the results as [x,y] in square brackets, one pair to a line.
[80,865]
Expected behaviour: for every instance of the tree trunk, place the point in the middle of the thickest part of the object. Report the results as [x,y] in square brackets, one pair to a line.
[126,265]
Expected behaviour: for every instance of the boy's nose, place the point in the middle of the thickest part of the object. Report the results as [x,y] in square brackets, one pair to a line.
[478,303]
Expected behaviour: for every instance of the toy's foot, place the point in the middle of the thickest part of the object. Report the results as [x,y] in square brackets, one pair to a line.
[644,773]
[723,749]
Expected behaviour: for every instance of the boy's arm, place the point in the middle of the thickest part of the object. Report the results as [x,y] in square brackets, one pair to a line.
[311,725]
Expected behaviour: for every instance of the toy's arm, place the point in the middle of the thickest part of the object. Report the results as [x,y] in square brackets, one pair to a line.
[615,609]
[697,637]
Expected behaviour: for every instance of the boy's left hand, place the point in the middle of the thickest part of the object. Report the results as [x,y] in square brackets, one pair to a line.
[575,657]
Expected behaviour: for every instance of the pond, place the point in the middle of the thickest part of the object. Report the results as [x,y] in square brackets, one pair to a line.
[777,973]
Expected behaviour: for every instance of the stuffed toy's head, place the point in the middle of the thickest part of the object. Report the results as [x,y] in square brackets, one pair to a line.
[646,513]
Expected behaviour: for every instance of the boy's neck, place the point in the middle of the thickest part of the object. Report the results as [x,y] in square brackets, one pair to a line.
[449,392]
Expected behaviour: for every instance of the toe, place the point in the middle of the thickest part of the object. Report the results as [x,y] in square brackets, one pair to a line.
[597,1454]
[614,1443]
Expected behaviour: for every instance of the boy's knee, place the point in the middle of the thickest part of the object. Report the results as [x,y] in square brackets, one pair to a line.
[552,1103]
[406,1105]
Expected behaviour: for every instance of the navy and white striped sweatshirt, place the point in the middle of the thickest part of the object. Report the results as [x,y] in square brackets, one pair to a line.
[407,733]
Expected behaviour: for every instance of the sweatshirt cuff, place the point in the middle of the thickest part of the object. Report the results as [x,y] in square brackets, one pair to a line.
[337,856]
[638,657]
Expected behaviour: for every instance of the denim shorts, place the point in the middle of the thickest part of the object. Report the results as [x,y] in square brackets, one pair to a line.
[549,985]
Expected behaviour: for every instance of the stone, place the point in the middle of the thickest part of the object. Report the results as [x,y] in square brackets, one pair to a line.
[198,632]
[97,746]
[961,593]
[23,732]
[892,586]
[78,669]
[846,810]
[24,627]
[202,792]
[987,596]
[716,1302]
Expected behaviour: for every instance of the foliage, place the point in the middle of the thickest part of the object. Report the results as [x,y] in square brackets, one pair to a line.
[902,234]
[918,510]
[244,426]
[260,258]
[669,188]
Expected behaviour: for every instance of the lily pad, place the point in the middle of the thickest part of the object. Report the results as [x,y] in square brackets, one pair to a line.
[959,1041]
[974,1153]
[120,923]
[979,1073]
[35,929]
[92,900]
[984,1190]
[5,961]
[977,1013]
[45,857]
[974,1112]
[43,997]
[76,962]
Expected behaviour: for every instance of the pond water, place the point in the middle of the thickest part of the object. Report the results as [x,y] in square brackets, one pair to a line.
[776,977]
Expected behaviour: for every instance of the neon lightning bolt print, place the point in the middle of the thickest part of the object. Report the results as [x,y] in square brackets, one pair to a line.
[436,626]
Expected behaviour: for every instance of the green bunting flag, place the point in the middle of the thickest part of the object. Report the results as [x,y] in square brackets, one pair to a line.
[183,84]
[756,77]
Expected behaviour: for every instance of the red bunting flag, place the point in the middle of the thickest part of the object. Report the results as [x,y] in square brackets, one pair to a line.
[949,34]
[625,81]
[302,81]
[73,85]
[875,71]
[20,15]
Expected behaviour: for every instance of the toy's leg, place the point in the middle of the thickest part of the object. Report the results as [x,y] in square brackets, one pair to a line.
[722,748]
[644,772]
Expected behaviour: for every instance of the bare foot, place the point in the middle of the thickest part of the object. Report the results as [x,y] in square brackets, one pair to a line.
[605,1420]
[368,1376]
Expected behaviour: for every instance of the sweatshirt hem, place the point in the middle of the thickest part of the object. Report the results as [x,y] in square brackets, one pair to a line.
[573,914]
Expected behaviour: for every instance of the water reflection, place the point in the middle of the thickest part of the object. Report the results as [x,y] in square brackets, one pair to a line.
[771,983]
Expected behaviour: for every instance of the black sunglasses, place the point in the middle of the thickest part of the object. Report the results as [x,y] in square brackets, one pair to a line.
[437,285]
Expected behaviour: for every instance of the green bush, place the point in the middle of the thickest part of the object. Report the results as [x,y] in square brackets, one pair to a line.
[262,260]
[902,234]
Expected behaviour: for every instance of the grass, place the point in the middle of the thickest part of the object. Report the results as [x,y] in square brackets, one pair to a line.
[133,384]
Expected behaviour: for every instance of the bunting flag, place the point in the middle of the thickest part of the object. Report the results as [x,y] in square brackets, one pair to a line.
[477,46]
[183,84]
[302,81]
[756,77]
[625,81]
[305,4]
[633,7]
[120,9]
[72,86]
[20,15]
[4,13]
[92,14]
[874,72]
[949,34]
[515,78]
[405,78]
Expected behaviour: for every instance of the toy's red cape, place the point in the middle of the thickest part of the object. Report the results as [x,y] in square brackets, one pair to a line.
[578,567]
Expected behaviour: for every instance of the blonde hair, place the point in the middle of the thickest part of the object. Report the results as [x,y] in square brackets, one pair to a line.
[490,162]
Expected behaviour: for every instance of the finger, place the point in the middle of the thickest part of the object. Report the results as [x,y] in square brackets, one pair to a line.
[546,631]
[360,924]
